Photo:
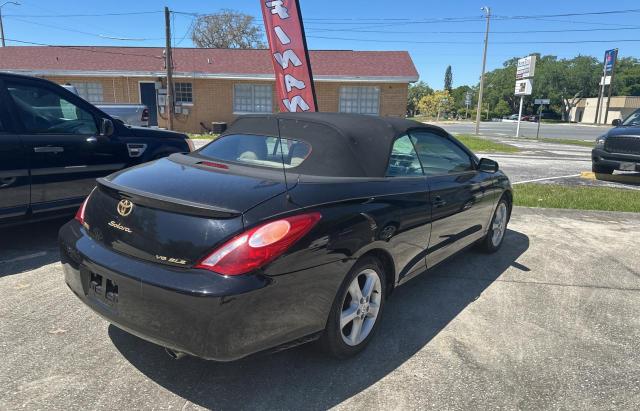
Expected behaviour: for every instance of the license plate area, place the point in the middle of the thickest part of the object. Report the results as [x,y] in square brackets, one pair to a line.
[103,289]
[626,166]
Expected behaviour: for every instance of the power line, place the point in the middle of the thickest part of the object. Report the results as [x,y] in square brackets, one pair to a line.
[134,13]
[473,42]
[479,31]
[86,33]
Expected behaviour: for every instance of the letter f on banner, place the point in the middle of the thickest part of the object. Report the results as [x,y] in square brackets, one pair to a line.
[289,55]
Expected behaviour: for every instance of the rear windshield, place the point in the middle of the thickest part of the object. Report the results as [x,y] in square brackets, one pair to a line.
[258,150]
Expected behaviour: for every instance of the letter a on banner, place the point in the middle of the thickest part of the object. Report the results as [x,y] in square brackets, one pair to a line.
[289,55]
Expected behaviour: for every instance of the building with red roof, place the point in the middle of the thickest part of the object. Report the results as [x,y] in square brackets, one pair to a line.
[213,85]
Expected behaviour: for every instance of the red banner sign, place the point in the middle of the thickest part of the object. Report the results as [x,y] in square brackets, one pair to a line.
[290,56]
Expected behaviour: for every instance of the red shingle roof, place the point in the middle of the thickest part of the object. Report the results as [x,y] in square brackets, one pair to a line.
[213,62]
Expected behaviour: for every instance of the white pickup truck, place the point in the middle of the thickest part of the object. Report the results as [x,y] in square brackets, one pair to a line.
[132,114]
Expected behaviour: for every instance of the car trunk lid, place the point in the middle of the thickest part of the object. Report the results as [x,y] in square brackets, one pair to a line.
[176,210]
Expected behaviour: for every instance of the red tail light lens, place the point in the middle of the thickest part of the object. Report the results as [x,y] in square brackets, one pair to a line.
[80,213]
[259,246]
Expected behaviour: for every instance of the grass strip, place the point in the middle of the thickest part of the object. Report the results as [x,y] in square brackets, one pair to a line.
[485,145]
[576,197]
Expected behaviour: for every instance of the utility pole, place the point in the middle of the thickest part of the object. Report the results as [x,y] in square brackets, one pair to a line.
[487,12]
[169,63]
[2,42]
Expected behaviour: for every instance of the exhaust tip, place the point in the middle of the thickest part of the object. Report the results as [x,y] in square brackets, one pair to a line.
[176,355]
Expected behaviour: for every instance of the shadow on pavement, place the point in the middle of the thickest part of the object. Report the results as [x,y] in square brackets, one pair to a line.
[303,378]
[29,246]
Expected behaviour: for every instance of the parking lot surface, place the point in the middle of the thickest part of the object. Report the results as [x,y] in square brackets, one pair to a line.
[551,321]
[527,129]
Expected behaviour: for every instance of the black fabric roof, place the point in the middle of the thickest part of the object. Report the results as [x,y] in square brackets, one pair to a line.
[343,145]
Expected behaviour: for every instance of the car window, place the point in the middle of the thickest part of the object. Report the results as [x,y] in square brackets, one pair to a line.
[439,155]
[404,160]
[633,119]
[258,150]
[43,111]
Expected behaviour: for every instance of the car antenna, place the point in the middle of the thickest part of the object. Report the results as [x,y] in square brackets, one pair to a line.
[284,169]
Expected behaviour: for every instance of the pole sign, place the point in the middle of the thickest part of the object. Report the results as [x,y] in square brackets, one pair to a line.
[467,98]
[542,101]
[526,68]
[610,57]
[524,87]
[290,55]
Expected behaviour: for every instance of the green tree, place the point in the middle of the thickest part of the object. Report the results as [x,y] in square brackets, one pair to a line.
[627,78]
[416,92]
[448,79]
[502,109]
[437,104]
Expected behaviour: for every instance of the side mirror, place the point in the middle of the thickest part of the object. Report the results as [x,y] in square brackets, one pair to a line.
[106,127]
[616,123]
[488,166]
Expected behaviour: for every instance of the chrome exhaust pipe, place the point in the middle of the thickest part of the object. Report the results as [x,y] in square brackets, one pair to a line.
[176,355]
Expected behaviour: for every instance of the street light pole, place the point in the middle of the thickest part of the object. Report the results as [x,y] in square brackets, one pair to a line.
[487,12]
[2,42]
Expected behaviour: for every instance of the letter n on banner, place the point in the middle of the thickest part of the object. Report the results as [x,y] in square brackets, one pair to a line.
[289,55]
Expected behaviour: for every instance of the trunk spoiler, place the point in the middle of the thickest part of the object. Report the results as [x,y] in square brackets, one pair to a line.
[161,202]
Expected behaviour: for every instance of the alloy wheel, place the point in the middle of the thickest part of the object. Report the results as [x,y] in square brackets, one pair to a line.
[499,224]
[360,307]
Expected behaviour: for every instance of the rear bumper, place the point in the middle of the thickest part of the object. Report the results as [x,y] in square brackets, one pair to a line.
[192,311]
[614,160]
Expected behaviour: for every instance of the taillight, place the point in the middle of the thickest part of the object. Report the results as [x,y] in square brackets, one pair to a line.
[80,213]
[145,114]
[259,246]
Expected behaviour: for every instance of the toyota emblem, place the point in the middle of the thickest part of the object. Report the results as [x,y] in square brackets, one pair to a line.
[125,207]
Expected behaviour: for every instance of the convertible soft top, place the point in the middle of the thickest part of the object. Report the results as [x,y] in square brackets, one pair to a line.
[345,145]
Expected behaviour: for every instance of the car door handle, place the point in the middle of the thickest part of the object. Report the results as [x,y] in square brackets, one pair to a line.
[48,149]
[438,202]
[92,140]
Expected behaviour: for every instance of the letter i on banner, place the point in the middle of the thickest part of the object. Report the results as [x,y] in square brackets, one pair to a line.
[289,55]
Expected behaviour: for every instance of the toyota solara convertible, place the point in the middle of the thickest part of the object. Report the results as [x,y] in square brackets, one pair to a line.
[288,228]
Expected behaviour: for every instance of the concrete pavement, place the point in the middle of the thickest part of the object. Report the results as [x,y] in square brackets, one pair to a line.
[551,321]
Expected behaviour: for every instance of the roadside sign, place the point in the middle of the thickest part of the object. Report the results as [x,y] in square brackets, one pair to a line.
[542,101]
[607,80]
[610,60]
[467,99]
[524,87]
[526,67]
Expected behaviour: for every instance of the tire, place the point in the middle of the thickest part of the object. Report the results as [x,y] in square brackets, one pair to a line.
[341,342]
[601,169]
[495,235]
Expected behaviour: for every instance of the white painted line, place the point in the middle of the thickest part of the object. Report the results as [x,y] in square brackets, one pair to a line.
[25,257]
[543,179]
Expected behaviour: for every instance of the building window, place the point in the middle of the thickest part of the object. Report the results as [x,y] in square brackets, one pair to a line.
[184,93]
[252,98]
[92,92]
[360,100]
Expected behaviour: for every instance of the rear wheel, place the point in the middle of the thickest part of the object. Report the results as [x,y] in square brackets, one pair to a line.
[493,240]
[598,169]
[356,310]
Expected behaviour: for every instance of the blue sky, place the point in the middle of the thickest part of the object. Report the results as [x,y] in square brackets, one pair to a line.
[424,28]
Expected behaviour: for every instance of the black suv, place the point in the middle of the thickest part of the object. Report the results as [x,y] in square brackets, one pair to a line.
[54,144]
[619,148]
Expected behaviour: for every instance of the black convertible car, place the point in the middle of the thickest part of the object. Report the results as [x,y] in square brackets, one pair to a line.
[286,229]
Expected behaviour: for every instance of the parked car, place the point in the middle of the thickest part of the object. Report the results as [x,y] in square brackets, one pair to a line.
[53,145]
[131,114]
[292,227]
[618,148]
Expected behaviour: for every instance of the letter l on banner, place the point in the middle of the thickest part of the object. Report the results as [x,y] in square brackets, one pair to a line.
[289,55]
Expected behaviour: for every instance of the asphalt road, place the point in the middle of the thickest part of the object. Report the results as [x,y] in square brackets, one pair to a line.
[527,129]
[551,321]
